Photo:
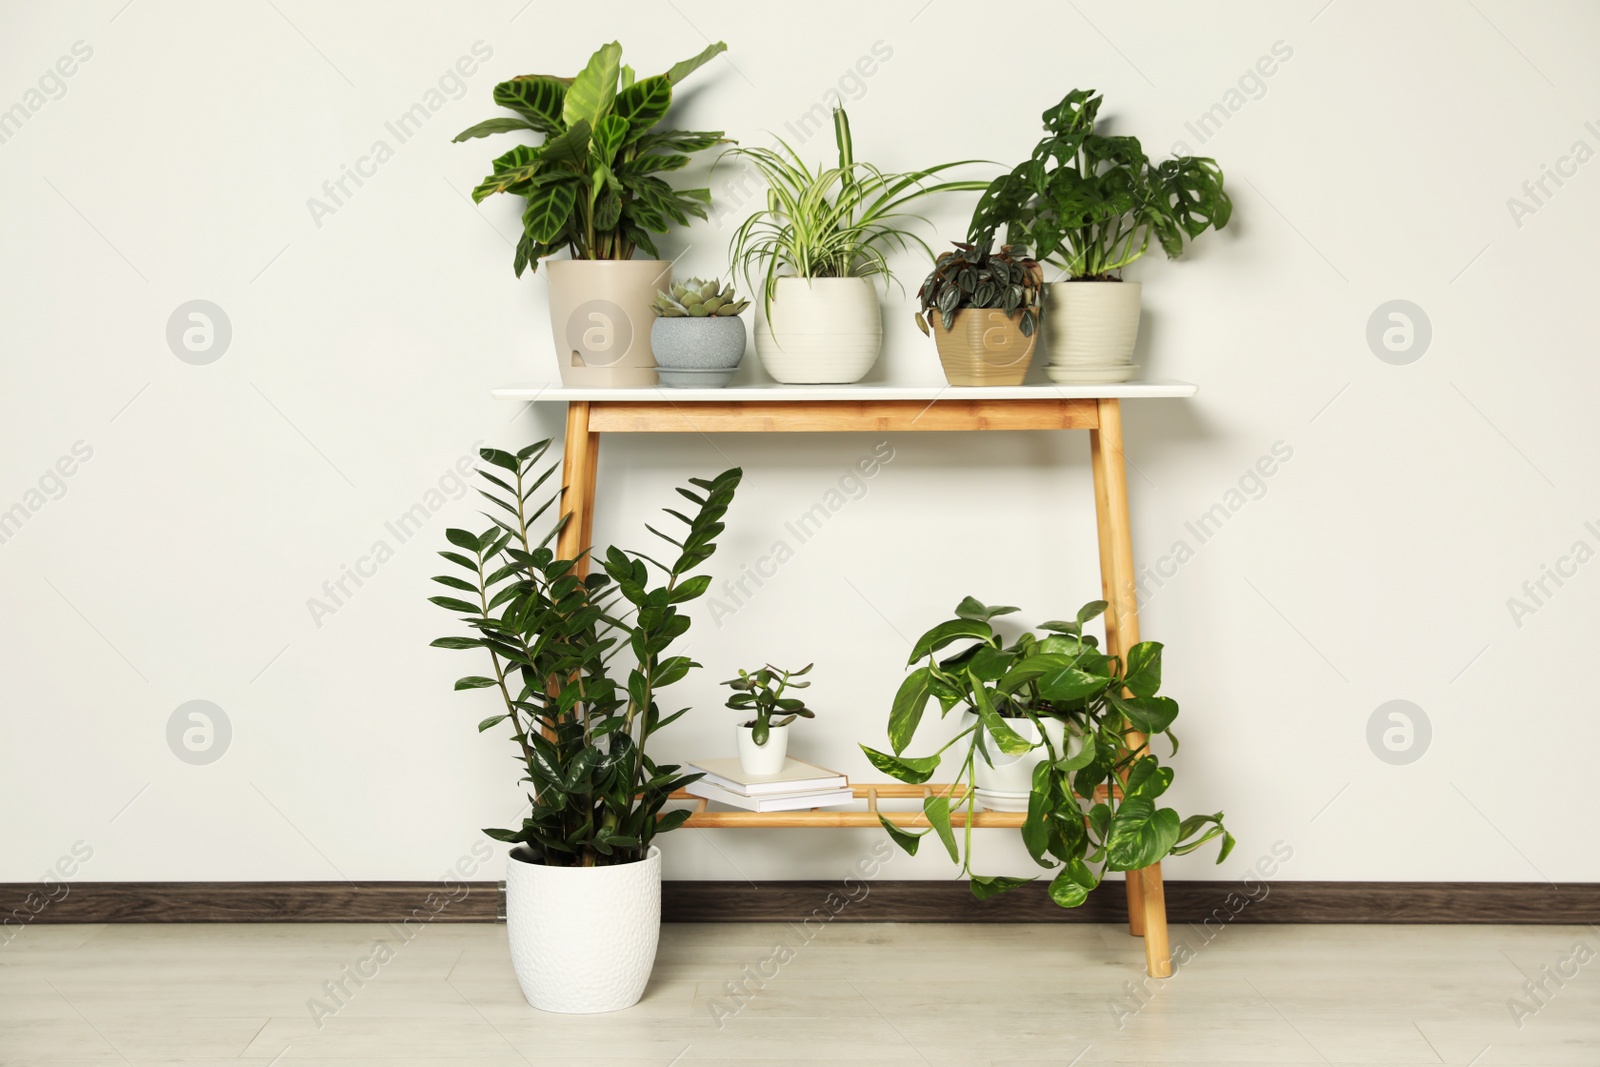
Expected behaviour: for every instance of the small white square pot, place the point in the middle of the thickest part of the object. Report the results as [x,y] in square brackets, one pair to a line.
[583,939]
[763,759]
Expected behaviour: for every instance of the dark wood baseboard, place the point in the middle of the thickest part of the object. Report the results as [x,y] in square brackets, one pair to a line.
[250,902]
[795,901]
[1537,903]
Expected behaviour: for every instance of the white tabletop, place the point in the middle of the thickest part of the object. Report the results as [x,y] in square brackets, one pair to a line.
[555,392]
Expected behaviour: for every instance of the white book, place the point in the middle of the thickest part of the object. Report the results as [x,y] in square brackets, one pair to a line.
[797,776]
[827,798]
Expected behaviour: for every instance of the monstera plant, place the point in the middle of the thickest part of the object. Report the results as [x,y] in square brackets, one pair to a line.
[593,186]
[1090,204]
[1077,724]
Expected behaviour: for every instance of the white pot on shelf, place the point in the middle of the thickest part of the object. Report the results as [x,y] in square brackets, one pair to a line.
[583,939]
[1003,782]
[763,759]
[821,331]
[600,319]
[1090,329]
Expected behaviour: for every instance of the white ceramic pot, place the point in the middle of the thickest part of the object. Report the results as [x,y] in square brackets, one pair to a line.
[600,319]
[1090,329]
[583,939]
[1003,782]
[822,331]
[763,759]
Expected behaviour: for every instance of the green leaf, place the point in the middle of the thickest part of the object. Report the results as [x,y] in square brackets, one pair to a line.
[475,681]
[906,713]
[592,92]
[984,888]
[937,809]
[456,642]
[538,100]
[905,840]
[1009,741]
[549,208]
[1067,684]
[948,632]
[976,610]
[687,67]
[452,604]
[609,134]
[1144,668]
[1140,835]
[1091,611]
[908,769]
[1147,779]
[500,125]
[1066,891]
[1148,715]
[492,720]
[463,539]
[643,104]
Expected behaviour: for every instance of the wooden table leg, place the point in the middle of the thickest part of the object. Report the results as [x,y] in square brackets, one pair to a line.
[579,464]
[1147,908]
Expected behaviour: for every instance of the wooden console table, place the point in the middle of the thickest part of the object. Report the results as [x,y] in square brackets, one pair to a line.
[887,409]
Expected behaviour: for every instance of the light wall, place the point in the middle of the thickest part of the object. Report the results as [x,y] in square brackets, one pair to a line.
[1383,159]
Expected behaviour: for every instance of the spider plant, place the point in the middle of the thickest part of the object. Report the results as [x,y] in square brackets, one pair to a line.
[831,222]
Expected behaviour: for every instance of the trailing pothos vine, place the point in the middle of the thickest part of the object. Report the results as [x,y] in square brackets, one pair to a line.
[1094,806]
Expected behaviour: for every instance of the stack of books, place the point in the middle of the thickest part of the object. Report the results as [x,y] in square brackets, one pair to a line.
[800,785]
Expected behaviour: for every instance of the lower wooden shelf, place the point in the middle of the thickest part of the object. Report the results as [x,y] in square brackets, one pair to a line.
[836,818]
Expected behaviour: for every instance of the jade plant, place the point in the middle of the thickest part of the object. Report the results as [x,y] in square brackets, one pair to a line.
[1090,204]
[761,692]
[1090,811]
[974,277]
[698,299]
[582,731]
[593,186]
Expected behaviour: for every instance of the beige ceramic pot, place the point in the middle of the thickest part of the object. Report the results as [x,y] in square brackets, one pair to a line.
[1091,329]
[984,346]
[600,319]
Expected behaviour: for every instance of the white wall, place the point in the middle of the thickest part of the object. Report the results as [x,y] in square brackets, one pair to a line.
[1376,165]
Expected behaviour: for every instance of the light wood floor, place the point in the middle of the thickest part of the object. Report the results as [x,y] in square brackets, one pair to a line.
[855,994]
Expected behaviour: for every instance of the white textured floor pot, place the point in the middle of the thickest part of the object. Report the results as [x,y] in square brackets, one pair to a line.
[822,331]
[697,352]
[1090,329]
[763,759]
[1003,782]
[600,319]
[583,939]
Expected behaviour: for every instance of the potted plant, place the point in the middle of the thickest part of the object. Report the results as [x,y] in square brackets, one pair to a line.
[1090,204]
[583,879]
[982,308]
[594,187]
[698,337]
[817,245]
[764,741]
[1052,711]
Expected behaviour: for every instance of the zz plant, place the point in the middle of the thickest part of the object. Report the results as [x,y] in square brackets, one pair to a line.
[762,692]
[1089,812]
[1090,203]
[581,730]
[593,185]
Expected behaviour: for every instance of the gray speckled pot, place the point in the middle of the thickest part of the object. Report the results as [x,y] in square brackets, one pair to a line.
[712,343]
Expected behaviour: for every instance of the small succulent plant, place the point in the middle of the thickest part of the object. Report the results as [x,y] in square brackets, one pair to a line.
[697,299]
[974,277]
[762,692]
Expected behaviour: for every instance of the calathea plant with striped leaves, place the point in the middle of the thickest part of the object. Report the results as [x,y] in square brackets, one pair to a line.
[553,639]
[594,185]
